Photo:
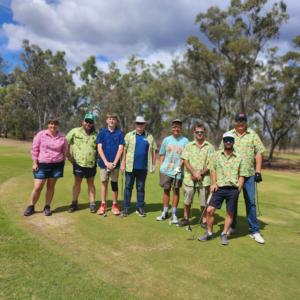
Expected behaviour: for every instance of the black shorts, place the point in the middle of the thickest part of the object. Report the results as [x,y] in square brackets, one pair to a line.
[228,193]
[82,172]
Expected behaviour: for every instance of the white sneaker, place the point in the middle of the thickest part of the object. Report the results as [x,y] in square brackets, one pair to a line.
[174,219]
[164,216]
[257,238]
[230,231]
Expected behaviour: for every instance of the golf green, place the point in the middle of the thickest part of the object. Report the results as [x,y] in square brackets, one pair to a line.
[85,256]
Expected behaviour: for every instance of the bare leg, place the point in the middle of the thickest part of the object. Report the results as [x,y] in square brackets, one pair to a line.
[228,220]
[103,191]
[175,197]
[91,189]
[166,197]
[50,190]
[115,196]
[76,188]
[204,215]
[36,192]
[186,210]
[210,218]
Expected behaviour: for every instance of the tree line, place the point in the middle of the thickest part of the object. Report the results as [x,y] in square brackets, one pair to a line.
[210,83]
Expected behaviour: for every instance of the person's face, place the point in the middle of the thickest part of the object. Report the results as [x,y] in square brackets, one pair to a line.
[88,124]
[111,122]
[199,133]
[53,127]
[228,143]
[139,126]
[176,129]
[240,124]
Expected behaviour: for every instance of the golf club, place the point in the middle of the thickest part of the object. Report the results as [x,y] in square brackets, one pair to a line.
[108,173]
[122,198]
[170,221]
[188,228]
[207,202]
[259,214]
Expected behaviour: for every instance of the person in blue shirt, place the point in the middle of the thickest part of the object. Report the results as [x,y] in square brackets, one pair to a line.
[170,170]
[110,144]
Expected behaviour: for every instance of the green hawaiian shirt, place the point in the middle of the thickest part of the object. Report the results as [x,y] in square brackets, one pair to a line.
[84,148]
[228,169]
[130,140]
[198,158]
[248,145]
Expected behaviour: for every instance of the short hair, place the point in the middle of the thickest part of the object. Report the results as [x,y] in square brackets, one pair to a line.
[112,115]
[199,126]
[53,120]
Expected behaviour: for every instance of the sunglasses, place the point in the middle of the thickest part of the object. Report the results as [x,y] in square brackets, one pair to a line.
[228,140]
[176,128]
[241,121]
[201,131]
[89,121]
[138,123]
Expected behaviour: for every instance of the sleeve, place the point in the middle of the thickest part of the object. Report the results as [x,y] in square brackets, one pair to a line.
[210,155]
[154,146]
[121,141]
[99,138]
[243,168]
[162,150]
[126,141]
[212,166]
[35,149]
[70,141]
[186,152]
[258,145]
[65,148]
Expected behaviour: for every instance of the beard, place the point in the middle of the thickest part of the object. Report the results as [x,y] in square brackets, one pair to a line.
[229,147]
[88,129]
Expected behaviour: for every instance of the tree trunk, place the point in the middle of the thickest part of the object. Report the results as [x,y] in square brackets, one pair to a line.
[272,148]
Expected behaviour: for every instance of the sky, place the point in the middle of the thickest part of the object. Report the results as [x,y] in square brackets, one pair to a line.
[113,30]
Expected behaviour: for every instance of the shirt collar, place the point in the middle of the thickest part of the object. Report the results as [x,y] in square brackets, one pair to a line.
[232,154]
[247,131]
[109,130]
[204,143]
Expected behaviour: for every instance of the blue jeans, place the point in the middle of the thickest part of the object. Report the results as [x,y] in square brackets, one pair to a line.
[249,196]
[140,177]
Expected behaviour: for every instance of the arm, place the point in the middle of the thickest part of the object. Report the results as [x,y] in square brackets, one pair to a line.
[196,176]
[161,160]
[65,149]
[119,153]
[214,186]
[102,155]
[258,158]
[153,157]
[241,182]
[69,138]
[35,151]
[123,162]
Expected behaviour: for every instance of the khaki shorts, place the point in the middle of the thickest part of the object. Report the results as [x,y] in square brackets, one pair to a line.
[203,193]
[113,174]
[166,181]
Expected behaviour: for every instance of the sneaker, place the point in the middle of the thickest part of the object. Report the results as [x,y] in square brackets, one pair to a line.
[174,219]
[140,211]
[47,211]
[115,209]
[183,222]
[230,231]
[204,225]
[126,212]
[102,209]
[257,238]
[72,208]
[29,211]
[93,208]
[205,237]
[224,240]
[163,216]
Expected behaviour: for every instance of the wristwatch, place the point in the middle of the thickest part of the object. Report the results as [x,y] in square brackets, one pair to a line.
[201,174]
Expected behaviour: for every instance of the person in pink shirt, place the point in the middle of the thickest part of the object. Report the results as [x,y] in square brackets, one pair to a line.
[49,151]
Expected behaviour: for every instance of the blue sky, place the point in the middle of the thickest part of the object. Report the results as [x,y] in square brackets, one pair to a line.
[112,30]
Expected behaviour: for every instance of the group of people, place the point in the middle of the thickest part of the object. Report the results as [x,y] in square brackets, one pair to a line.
[223,173]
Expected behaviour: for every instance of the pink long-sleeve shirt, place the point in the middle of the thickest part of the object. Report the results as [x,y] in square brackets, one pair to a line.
[46,149]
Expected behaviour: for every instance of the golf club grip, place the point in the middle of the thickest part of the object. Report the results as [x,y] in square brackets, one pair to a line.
[208,199]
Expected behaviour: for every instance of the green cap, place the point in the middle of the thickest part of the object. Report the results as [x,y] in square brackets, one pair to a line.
[89,116]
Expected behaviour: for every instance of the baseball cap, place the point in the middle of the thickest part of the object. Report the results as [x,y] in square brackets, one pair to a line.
[228,134]
[241,116]
[89,116]
[177,121]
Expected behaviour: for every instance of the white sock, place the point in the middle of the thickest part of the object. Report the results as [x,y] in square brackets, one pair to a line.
[209,233]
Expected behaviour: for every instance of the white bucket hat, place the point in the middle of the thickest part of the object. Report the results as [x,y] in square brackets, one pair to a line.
[140,119]
[228,134]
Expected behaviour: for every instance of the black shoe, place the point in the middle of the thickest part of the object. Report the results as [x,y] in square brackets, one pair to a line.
[29,211]
[93,208]
[140,211]
[47,211]
[204,225]
[72,208]
[126,212]
[183,222]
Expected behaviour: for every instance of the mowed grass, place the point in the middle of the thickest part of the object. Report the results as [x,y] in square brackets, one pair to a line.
[85,256]
[289,156]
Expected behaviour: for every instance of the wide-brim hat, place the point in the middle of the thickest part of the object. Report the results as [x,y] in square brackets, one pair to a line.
[140,119]
[228,134]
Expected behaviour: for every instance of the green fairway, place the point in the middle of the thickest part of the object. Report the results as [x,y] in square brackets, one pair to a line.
[85,256]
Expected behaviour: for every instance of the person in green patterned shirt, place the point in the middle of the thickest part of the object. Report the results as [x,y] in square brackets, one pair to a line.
[83,157]
[196,156]
[249,145]
[227,170]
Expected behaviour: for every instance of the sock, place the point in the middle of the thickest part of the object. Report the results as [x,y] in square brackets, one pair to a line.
[166,209]
[92,203]
[223,233]
[115,203]
[103,203]
[209,233]
[174,210]
[75,202]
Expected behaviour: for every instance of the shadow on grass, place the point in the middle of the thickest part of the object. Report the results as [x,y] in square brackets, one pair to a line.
[80,206]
